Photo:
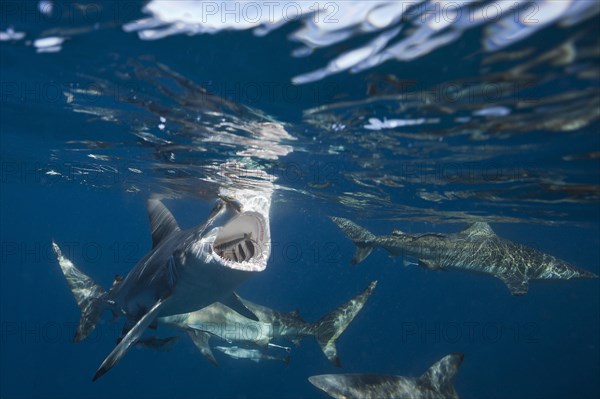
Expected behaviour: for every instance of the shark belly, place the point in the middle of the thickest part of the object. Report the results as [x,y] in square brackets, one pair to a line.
[225,323]
[200,284]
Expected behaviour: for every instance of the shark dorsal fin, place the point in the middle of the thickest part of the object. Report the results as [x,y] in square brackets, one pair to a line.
[237,304]
[162,222]
[478,229]
[397,232]
[440,376]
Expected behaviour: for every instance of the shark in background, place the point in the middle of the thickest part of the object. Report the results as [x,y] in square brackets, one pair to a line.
[436,383]
[476,249]
[181,273]
[221,321]
[251,354]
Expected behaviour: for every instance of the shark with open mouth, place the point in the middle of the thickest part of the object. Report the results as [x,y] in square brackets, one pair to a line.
[185,270]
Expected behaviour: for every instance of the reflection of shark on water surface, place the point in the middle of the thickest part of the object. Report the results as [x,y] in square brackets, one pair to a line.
[435,383]
[182,273]
[225,323]
[475,249]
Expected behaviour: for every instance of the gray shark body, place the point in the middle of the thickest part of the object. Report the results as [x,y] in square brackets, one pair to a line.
[251,354]
[158,344]
[436,383]
[180,274]
[223,322]
[475,249]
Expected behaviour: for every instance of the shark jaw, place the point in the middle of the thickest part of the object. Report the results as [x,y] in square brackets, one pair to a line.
[250,241]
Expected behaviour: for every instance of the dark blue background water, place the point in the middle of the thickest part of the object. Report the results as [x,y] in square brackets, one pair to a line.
[543,345]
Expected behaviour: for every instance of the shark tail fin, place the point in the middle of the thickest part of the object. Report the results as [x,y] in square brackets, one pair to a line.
[362,238]
[440,376]
[329,328]
[90,297]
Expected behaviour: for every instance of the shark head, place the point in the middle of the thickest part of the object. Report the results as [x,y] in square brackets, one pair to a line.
[205,264]
[243,243]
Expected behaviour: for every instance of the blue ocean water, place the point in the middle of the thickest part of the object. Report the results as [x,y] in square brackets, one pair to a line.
[91,131]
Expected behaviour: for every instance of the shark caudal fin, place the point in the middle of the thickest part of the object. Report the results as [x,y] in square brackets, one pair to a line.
[88,295]
[440,376]
[329,328]
[362,238]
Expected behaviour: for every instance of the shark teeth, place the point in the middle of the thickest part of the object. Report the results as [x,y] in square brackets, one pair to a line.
[239,252]
[233,259]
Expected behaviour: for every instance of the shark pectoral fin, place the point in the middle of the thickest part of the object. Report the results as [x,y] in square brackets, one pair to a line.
[201,340]
[131,337]
[516,285]
[362,251]
[235,303]
[162,222]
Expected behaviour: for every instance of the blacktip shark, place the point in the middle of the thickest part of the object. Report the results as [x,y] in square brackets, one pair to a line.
[435,383]
[181,273]
[476,249]
[251,354]
[227,324]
